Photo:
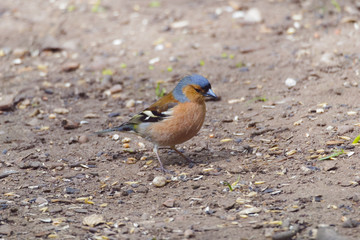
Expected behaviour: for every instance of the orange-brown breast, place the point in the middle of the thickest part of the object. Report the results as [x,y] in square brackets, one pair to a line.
[185,122]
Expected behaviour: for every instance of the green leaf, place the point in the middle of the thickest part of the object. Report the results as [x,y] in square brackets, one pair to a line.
[71,8]
[261,99]
[107,72]
[123,65]
[240,64]
[236,182]
[202,63]
[151,67]
[160,92]
[97,7]
[336,5]
[356,140]
[155,4]
[335,154]
[169,69]
[229,186]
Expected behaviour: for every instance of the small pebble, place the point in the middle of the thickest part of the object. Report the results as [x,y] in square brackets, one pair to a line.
[179,24]
[189,233]
[326,233]
[351,223]
[117,42]
[159,181]
[290,30]
[7,173]
[114,114]
[244,69]
[209,211]
[344,129]
[130,103]
[290,82]
[17,61]
[115,89]
[126,140]
[46,220]
[55,209]
[115,137]
[80,210]
[83,139]
[287,235]
[72,140]
[6,101]
[169,203]
[159,47]
[154,60]
[238,14]
[69,67]
[328,59]
[130,160]
[35,164]
[41,201]
[6,230]
[69,190]
[253,15]
[21,52]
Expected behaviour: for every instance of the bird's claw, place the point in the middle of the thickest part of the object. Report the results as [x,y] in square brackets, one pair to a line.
[164,170]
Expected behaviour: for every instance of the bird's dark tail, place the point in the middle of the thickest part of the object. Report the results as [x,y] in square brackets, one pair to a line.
[126,127]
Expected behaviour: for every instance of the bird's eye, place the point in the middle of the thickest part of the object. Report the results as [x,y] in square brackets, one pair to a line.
[198,90]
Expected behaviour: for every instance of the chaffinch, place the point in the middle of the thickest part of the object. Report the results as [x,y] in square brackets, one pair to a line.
[174,118]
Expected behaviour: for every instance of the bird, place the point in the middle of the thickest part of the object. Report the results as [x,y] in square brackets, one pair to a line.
[173,119]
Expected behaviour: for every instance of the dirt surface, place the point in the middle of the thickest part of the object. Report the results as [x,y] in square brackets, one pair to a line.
[287,73]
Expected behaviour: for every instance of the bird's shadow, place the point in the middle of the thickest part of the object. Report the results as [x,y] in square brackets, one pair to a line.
[170,157]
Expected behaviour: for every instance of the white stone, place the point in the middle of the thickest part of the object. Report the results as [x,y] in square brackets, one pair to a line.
[253,15]
[290,82]
[159,181]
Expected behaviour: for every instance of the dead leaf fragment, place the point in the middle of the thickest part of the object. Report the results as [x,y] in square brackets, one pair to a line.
[251,210]
[70,66]
[334,142]
[291,152]
[61,111]
[91,116]
[68,124]
[93,220]
[297,123]
[179,24]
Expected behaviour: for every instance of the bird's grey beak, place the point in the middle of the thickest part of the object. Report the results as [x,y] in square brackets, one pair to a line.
[210,93]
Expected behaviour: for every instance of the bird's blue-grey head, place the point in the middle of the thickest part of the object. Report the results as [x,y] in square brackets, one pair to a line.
[196,80]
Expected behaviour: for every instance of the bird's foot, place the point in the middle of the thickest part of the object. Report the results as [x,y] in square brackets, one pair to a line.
[164,170]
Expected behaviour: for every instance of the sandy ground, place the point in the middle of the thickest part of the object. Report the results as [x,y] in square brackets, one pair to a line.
[287,73]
